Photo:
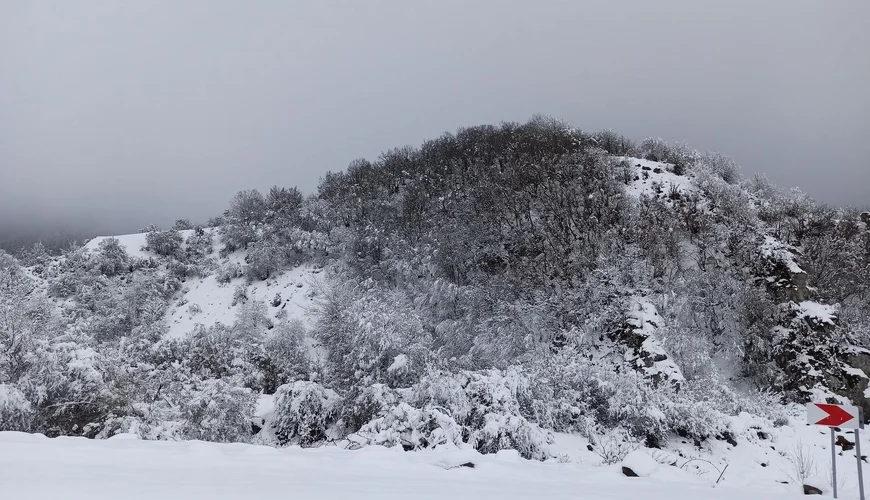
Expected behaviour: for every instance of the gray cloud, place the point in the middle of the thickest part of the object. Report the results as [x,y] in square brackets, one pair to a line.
[116,114]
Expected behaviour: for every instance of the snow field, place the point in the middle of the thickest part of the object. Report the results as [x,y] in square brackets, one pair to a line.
[35,467]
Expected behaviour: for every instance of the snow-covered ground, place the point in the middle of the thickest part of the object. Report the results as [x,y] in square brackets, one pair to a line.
[290,292]
[35,467]
[133,243]
[656,179]
[766,463]
[289,295]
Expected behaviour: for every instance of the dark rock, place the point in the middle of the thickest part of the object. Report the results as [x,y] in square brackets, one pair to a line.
[811,490]
[762,435]
[728,438]
[844,443]
[470,465]
[657,170]
[628,472]
[646,168]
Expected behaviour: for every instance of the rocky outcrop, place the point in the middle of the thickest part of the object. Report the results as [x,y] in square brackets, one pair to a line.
[808,347]
[643,351]
[781,274]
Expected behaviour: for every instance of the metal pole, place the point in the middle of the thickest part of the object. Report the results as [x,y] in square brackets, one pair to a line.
[858,455]
[833,463]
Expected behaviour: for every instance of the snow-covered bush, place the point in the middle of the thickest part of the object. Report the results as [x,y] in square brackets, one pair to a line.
[590,399]
[217,410]
[163,243]
[677,154]
[242,220]
[263,260]
[199,244]
[227,272]
[489,408]
[370,336]
[721,165]
[304,413]
[411,428]
[111,258]
[16,413]
[511,432]
[285,355]
[220,351]
[70,387]
[615,143]
[365,405]
[182,225]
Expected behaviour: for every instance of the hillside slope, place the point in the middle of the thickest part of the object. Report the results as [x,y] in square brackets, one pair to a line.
[527,287]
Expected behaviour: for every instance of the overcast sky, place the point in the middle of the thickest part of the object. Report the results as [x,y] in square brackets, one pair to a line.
[114,114]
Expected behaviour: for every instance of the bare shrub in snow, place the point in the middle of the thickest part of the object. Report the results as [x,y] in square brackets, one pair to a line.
[802,461]
[614,447]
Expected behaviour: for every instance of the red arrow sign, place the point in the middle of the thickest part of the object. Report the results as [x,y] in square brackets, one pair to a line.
[832,415]
[836,415]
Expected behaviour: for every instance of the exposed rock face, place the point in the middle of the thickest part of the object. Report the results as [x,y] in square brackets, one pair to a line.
[644,352]
[865,217]
[856,381]
[805,344]
[808,347]
[782,276]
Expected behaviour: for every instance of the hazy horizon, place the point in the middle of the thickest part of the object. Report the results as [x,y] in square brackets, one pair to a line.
[116,115]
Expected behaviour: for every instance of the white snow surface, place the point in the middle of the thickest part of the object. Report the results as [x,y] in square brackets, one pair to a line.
[216,300]
[35,467]
[653,173]
[133,243]
[822,313]
[641,463]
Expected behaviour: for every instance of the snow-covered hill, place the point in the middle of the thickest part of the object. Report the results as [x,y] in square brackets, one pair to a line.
[508,292]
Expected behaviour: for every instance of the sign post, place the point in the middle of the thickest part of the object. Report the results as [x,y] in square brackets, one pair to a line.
[858,455]
[832,416]
[833,463]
